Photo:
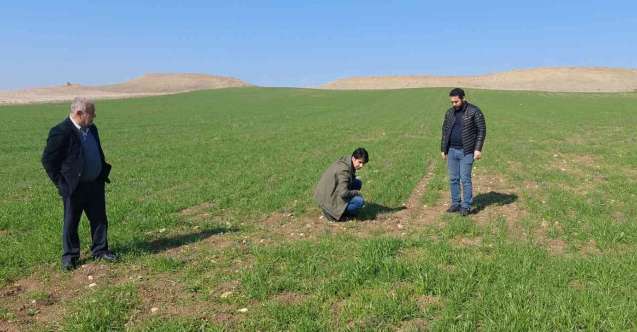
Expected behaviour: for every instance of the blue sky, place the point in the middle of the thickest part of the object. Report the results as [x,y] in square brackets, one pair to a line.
[297,43]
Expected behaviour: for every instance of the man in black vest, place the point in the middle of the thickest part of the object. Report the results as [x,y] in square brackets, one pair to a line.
[74,161]
[463,133]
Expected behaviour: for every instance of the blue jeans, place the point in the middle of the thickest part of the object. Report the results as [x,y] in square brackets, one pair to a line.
[459,165]
[356,202]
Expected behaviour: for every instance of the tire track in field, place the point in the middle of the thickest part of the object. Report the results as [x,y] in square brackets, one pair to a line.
[416,214]
[413,205]
[414,202]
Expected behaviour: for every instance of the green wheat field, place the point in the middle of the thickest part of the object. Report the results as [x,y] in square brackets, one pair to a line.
[210,209]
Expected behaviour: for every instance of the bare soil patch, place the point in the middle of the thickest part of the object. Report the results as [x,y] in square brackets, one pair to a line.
[287,226]
[463,241]
[555,246]
[40,298]
[168,297]
[427,301]
[201,211]
[589,248]
[419,324]
[290,298]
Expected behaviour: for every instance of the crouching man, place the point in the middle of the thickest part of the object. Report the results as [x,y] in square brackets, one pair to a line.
[338,191]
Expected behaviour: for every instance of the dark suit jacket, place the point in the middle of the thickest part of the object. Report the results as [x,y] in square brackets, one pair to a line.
[63,160]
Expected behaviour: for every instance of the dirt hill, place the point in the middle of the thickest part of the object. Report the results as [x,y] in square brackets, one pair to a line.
[171,83]
[576,79]
[150,84]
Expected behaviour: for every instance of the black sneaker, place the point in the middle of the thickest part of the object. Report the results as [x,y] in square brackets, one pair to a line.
[465,212]
[454,209]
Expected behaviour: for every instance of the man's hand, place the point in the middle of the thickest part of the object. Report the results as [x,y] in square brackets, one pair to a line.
[477,155]
[444,156]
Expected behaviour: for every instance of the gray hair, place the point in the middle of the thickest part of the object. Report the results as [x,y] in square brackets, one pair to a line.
[81,104]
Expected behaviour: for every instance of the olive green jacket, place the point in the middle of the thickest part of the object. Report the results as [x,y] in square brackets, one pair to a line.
[332,191]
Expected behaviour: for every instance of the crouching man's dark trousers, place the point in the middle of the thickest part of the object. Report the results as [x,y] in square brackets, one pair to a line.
[88,198]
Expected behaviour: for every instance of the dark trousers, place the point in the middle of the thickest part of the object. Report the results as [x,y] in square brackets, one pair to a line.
[88,198]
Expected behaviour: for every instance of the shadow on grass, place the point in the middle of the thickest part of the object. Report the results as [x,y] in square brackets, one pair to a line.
[371,210]
[170,242]
[481,201]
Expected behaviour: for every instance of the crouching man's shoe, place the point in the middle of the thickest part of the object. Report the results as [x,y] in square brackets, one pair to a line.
[465,212]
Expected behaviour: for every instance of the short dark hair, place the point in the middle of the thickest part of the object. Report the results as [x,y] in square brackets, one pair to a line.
[361,153]
[457,92]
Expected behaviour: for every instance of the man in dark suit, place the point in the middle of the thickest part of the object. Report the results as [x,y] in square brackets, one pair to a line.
[74,161]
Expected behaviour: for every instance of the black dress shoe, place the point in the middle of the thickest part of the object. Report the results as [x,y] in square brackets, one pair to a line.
[69,266]
[465,212]
[109,257]
[454,209]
